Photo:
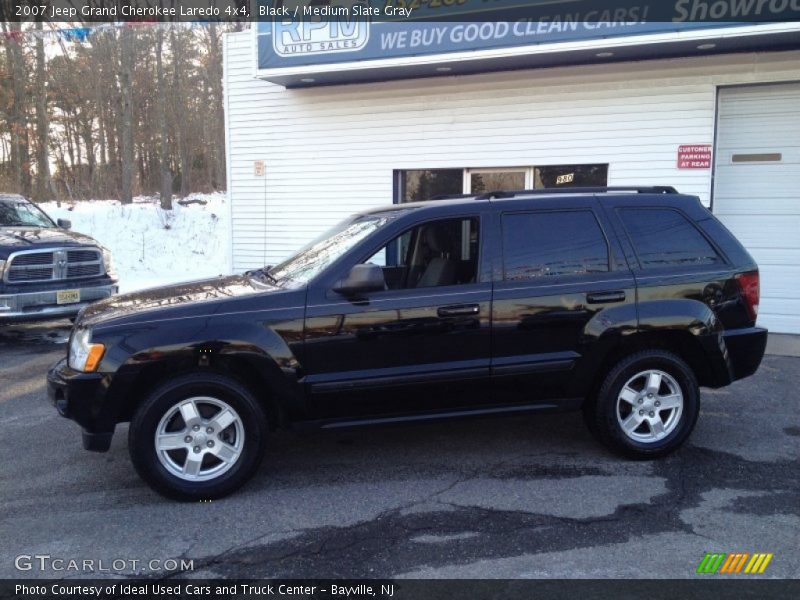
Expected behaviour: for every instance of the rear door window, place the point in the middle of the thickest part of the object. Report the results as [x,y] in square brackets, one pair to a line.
[539,245]
[666,238]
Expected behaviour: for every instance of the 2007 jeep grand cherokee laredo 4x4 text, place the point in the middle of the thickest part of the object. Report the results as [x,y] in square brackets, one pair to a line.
[47,272]
[619,302]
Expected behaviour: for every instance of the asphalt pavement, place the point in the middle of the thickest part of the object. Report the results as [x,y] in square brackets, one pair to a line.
[531,497]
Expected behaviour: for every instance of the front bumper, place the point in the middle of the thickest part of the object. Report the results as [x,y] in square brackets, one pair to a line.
[32,306]
[82,398]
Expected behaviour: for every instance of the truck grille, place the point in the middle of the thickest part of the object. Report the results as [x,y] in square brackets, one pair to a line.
[54,264]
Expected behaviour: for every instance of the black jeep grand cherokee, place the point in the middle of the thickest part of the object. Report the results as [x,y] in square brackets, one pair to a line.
[619,302]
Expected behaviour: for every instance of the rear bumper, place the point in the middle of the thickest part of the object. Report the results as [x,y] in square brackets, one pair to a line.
[30,306]
[733,354]
[745,349]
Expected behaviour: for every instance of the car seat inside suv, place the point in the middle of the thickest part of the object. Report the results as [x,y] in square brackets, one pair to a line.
[439,248]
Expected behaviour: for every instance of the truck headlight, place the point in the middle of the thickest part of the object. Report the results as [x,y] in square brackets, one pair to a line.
[108,263]
[83,354]
[2,268]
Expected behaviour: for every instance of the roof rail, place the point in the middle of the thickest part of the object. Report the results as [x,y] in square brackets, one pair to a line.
[658,189]
[451,196]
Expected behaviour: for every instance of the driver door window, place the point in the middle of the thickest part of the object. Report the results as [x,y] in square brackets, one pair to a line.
[436,254]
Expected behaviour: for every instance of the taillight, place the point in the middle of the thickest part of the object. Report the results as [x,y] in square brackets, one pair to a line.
[751,291]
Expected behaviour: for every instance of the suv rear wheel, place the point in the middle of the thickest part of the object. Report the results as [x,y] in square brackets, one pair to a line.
[647,406]
[199,436]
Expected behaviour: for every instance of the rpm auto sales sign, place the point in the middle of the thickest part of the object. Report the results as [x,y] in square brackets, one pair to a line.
[694,156]
[334,27]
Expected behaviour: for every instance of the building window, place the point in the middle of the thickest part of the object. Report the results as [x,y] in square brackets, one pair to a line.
[664,237]
[415,186]
[433,184]
[497,180]
[553,244]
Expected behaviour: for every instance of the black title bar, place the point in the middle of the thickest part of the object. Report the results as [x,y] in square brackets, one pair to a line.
[679,11]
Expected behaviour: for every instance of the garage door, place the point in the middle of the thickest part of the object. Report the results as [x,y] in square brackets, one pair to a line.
[757,190]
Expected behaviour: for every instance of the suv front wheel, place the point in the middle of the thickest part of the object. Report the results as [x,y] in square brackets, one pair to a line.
[197,437]
[647,406]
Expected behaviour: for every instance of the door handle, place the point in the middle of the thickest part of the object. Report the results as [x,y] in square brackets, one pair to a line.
[605,297]
[459,311]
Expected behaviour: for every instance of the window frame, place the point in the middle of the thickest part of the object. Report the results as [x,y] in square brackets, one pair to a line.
[641,267]
[476,216]
[610,260]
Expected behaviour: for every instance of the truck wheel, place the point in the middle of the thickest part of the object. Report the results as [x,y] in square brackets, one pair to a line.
[647,406]
[198,437]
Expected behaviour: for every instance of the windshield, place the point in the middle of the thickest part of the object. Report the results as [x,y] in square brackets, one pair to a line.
[23,214]
[311,260]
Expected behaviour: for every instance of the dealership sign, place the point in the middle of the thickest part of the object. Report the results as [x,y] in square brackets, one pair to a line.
[305,37]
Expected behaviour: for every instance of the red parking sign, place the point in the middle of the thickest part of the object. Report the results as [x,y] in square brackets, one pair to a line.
[697,156]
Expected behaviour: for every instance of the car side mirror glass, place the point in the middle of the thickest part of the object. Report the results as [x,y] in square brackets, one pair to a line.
[64,223]
[362,279]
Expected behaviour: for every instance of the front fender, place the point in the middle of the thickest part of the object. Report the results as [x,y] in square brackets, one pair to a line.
[261,349]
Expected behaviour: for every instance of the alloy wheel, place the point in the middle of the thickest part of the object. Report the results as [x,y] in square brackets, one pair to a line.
[649,406]
[199,438]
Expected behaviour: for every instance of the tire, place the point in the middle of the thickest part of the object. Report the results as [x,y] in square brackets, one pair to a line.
[626,412]
[194,461]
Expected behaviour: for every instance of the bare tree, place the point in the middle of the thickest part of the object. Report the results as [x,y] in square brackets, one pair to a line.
[43,190]
[121,112]
[179,96]
[217,118]
[163,151]
[126,117]
[17,113]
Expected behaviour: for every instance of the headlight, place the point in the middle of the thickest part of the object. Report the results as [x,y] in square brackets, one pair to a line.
[108,263]
[2,268]
[83,355]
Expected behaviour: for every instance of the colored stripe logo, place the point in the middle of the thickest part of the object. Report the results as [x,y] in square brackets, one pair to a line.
[734,563]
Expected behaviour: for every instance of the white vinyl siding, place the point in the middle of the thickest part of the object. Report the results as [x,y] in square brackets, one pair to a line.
[760,201]
[331,151]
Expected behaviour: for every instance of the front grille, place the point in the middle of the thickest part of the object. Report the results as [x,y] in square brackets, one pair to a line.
[54,265]
[39,258]
[37,274]
[74,256]
[82,271]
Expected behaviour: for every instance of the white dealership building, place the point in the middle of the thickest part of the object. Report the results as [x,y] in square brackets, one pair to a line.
[374,114]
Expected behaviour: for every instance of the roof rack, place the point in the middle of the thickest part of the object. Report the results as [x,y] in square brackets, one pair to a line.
[658,189]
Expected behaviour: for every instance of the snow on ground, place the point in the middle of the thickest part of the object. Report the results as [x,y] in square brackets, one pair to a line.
[153,247]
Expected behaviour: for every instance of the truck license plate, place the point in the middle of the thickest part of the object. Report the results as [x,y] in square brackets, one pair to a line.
[68,296]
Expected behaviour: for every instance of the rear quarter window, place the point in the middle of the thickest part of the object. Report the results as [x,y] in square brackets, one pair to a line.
[666,238]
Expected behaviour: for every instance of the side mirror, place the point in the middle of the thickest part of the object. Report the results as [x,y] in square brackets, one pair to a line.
[362,279]
[64,223]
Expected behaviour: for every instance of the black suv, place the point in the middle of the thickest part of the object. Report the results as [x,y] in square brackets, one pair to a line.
[47,271]
[619,302]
